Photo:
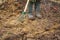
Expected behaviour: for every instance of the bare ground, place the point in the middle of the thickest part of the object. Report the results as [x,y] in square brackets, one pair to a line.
[46,28]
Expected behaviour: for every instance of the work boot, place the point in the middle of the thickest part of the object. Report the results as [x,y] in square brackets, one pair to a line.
[30,16]
[38,15]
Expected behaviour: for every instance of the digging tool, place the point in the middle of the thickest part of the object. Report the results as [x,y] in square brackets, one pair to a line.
[24,11]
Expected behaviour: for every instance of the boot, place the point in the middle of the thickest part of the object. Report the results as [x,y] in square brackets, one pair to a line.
[31,17]
[38,15]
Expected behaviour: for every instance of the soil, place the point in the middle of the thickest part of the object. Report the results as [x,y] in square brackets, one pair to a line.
[46,28]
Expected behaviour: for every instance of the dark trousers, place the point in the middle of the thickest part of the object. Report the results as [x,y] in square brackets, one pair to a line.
[36,6]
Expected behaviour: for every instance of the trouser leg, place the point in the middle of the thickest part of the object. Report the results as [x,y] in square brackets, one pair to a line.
[30,7]
[30,14]
[37,9]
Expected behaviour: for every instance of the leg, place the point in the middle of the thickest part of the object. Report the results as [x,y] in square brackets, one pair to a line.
[37,9]
[30,7]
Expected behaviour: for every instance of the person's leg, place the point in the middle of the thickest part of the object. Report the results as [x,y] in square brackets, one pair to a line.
[37,9]
[30,7]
